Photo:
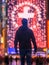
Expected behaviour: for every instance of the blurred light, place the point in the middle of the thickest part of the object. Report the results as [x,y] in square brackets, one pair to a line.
[13,12]
[48,56]
[34,26]
[14,56]
[20,5]
[37,24]
[3,1]
[45,49]
[39,18]
[48,33]
[2,40]
[17,6]
[6,54]
[16,25]
[13,20]
[14,8]
[26,2]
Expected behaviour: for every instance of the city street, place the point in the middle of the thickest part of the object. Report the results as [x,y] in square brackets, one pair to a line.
[19,63]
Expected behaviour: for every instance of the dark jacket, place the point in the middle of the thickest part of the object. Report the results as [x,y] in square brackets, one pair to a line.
[24,36]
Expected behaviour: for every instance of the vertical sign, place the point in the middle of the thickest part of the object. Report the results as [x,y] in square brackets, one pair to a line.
[34,11]
[48,33]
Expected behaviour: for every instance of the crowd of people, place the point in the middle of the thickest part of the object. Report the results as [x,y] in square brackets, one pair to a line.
[10,60]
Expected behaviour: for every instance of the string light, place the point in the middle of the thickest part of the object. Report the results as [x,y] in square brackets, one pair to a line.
[36,23]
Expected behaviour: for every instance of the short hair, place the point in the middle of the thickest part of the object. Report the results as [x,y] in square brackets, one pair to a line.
[24,22]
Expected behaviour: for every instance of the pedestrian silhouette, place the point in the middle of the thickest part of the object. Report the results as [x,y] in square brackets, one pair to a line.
[6,60]
[24,36]
[10,59]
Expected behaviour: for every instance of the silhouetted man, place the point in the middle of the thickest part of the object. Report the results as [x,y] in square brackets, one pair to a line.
[24,36]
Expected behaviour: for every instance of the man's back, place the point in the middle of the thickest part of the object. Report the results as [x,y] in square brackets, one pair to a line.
[24,35]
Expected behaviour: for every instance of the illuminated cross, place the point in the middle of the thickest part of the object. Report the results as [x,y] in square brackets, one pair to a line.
[25,13]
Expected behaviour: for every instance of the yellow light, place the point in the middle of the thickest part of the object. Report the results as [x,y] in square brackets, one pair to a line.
[2,40]
[45,49]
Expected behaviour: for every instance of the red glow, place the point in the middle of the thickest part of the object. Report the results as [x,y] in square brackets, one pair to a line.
[37,23]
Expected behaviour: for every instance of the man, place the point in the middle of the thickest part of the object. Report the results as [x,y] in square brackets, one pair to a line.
[24,36]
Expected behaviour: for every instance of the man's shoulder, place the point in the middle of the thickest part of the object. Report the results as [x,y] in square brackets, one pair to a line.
[19,27]
[29,29]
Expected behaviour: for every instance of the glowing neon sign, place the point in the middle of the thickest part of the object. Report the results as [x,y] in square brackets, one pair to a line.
[35,13]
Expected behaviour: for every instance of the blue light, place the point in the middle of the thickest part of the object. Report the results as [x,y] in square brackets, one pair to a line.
[11,51]
[3,1]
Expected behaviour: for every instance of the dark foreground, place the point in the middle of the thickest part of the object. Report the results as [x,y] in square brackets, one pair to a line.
[35,61]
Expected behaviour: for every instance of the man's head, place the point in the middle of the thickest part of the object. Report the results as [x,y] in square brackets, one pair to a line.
[24,22]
